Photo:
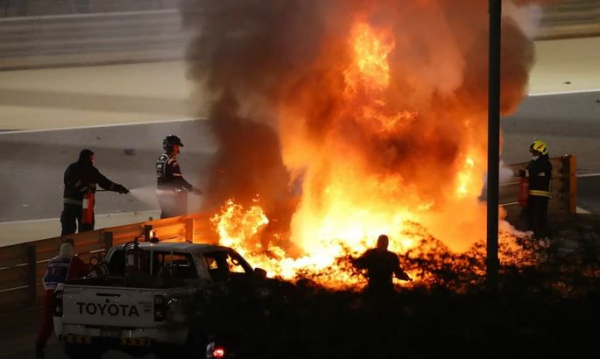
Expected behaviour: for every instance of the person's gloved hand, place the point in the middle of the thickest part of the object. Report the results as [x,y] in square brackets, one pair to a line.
[121,189]
[196,191]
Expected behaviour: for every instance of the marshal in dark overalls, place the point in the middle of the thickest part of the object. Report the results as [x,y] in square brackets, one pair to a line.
[171,188]
[80,178]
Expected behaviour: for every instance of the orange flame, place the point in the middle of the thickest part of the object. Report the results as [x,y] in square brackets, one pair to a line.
[234,225]
[351,191]
[370,68]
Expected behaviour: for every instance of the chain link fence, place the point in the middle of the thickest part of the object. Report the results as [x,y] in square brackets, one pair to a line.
[21,8]
[569,18]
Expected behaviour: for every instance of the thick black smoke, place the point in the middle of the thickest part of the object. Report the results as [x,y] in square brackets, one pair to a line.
[242,53]
[255,58]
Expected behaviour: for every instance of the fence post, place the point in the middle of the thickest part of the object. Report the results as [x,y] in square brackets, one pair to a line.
[31,274]
[189,230]
[108,241]
[147,229]
[571,162]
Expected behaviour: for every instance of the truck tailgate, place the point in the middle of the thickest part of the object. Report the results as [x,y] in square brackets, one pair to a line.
[108,306]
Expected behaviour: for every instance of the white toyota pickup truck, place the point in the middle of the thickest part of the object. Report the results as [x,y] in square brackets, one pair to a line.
[140,301]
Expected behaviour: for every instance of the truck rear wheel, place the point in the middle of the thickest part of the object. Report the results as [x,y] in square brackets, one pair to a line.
[196,351]
[81,351]
[195,346]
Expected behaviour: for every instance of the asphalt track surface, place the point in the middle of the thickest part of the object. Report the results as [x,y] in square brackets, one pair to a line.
[589,194]
[58,98]
[55,351]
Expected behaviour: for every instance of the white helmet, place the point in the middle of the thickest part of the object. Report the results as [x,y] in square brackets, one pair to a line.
[66,249]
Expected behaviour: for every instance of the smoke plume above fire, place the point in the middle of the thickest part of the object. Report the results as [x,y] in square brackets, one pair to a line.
[352,118]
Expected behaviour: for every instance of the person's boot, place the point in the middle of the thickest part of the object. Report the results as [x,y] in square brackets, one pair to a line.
[39,351]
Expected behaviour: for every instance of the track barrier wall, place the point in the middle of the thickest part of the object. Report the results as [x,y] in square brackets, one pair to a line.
[22,266]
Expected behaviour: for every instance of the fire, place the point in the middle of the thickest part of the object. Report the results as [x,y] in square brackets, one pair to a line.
[378,113]
[370,67]
[345,203]
[237,225]
[234,225]
[465,178]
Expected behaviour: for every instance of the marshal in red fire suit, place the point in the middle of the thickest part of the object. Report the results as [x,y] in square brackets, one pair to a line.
[82,177]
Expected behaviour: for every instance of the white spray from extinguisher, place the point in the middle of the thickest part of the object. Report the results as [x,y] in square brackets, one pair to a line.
[506,174]
[146,195]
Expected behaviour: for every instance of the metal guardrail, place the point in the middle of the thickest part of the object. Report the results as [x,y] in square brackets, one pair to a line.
[23,265]
[564,188]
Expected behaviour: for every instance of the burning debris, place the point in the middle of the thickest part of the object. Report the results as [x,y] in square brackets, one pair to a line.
[350,118]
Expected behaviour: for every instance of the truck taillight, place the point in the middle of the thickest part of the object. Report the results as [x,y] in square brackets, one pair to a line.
[218,352]
[215,351]
[58,303]
[160,308]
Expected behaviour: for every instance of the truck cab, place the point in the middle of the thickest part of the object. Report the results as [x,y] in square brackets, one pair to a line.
[144,299]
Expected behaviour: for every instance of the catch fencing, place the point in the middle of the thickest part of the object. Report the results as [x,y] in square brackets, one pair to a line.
[91,39]
[571,18]
[24,8]
[52,33]
[23,265]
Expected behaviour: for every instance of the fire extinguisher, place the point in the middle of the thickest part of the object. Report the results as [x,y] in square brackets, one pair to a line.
[87,214]
[523,191]
[136,260]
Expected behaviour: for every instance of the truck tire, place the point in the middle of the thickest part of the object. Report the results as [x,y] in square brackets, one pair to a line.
[195,350]
[195,346]
[79,351]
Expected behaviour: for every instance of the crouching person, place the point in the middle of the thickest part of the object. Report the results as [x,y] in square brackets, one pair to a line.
[60,268]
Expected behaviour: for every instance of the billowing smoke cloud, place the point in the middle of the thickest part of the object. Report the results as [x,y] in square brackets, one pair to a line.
[243,52]
[288,107]
[248,162]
